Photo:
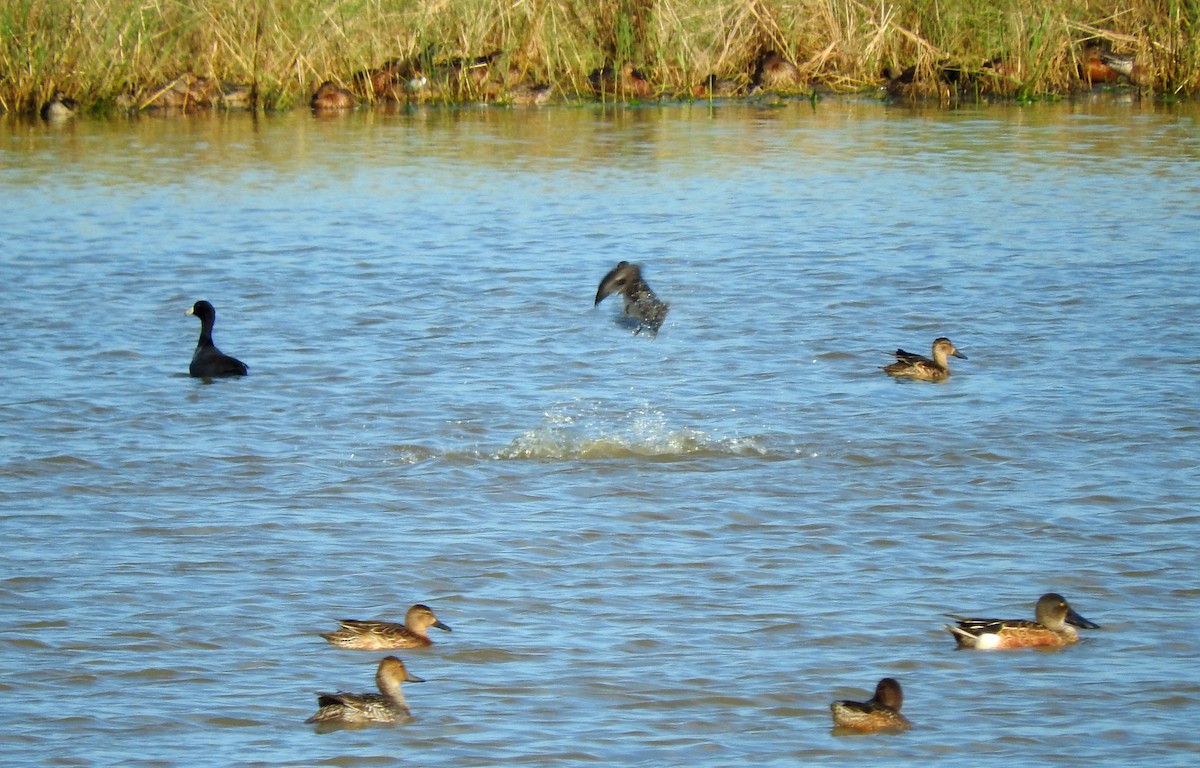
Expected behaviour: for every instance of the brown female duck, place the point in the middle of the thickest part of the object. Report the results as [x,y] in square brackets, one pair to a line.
[913,366]
[880,713]
[385,635]
[641,305]
[387,706]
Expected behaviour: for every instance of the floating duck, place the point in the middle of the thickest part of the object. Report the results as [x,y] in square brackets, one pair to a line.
[385,635]
[387,706]
[913,366]
[880,713]
[1052,627]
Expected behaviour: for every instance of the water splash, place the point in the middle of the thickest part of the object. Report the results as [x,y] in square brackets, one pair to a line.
[608,434]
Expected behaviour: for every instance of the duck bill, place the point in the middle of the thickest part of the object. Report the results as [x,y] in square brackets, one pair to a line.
[1078,621]
[959,355]
[411,678]
[440,625]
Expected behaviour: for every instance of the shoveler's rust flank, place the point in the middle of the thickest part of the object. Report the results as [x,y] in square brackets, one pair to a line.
[1054,626]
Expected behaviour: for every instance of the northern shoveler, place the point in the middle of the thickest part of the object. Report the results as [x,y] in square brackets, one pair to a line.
[880,713]
[640,302]
[385,635]
[913,366]
[1092,66]
[209,362]
[1052,627]
[59,107]
[330,98]
[1125,65]
[387,706]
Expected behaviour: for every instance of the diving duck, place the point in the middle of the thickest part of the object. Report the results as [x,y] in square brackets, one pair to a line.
[385,635]
[209,362]
[641,305]
[913,366]
[1053,627]
[387,706]
[880,713]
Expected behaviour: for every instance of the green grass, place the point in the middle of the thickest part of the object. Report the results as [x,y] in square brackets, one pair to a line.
[105,51]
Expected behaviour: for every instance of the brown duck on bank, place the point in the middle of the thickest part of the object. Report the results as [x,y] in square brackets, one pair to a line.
[59,107]
[385,635]
[775,73]
[626,82]
[1092,67]
[387,706]
[880,713]
[332,98]
[641,305]
[910,365]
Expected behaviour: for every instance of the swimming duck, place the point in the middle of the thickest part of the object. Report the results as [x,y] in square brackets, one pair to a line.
[914,366]
[1053,627]
[880,713]
[387,706]
[59,107]
[208,361]
[640,302]
[330,98]
[384,635]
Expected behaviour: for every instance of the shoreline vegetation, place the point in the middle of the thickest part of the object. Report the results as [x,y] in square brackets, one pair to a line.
[102,55]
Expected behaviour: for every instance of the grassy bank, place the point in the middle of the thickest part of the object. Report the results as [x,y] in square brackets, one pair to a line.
[106,52]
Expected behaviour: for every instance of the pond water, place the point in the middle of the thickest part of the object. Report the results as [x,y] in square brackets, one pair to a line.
[652,551]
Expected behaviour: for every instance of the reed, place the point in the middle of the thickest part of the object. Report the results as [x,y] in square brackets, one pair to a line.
[106,52]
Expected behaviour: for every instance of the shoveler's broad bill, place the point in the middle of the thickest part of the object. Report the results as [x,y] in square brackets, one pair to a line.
[1054,625]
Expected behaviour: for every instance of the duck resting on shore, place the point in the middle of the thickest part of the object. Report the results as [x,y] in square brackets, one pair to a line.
[645,309]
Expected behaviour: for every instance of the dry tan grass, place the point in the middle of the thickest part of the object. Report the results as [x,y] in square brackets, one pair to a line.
[118,51]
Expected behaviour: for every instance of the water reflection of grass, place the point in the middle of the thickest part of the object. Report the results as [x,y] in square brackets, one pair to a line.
[109,51]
